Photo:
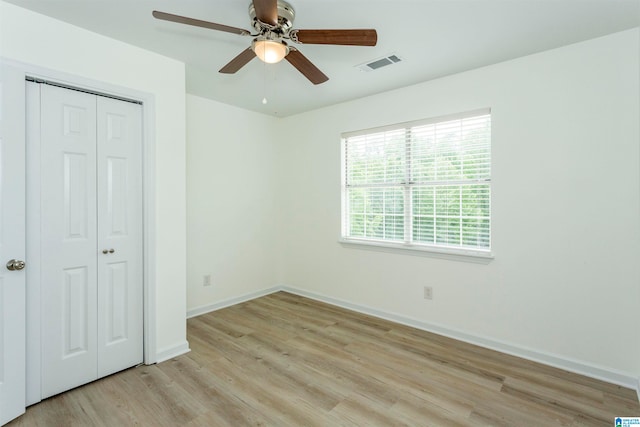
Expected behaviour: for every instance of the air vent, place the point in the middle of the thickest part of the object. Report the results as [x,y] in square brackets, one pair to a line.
[379,63]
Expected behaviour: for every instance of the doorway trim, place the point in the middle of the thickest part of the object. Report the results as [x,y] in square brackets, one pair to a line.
[18,80]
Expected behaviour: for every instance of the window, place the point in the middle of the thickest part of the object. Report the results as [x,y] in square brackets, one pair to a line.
[423,185]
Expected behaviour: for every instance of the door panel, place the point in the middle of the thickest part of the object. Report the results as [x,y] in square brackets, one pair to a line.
[75,309]
[12,245]
[68,239]
[116,214]
[76,193]
[120,316]
[116,304]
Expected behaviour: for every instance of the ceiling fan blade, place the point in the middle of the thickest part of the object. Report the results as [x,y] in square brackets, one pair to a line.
[266,11]
[363,37]
[305,66]
[238,62]
[198,23]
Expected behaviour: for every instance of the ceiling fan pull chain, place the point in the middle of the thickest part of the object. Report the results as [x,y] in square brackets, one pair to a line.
[264,83]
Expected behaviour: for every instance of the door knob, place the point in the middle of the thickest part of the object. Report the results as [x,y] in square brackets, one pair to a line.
[15,264]
[108,251]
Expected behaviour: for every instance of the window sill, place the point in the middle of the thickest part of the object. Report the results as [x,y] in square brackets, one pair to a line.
[463,255]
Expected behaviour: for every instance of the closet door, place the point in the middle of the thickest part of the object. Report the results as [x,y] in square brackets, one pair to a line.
[119,235]
[91,237]
[68,239]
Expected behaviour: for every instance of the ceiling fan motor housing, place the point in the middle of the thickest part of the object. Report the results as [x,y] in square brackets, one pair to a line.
[286,16]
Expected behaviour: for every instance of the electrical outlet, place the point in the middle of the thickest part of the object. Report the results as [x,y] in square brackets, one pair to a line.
[428,292]
[206,280]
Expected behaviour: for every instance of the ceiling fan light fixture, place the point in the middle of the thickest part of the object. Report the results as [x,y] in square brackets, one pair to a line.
[270,51]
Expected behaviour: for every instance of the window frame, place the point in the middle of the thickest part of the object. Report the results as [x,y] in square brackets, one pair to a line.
[409,245]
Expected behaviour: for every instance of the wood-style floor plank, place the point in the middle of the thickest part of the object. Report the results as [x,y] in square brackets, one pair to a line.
[285,360]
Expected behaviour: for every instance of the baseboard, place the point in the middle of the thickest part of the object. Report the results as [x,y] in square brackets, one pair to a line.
[567,364]
[197,311]
[171,352]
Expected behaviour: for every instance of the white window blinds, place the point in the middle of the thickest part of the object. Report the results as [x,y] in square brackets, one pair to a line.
[424,183]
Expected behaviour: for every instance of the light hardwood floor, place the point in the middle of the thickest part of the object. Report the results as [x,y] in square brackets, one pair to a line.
[284,360]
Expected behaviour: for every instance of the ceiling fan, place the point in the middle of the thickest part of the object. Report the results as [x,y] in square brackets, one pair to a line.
[273,21]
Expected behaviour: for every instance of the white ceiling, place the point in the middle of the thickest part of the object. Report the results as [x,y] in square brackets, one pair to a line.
[433,37]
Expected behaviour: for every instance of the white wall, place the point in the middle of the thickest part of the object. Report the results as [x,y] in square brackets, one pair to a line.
[231,211]
[566,235]
[44,42]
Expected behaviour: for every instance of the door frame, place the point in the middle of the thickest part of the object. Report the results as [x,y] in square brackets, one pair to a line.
[18,80]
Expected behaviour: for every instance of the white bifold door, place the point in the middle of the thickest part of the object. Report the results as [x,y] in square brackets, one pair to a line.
[90,236]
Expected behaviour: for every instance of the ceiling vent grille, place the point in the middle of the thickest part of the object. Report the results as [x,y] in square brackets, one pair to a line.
[379,63]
